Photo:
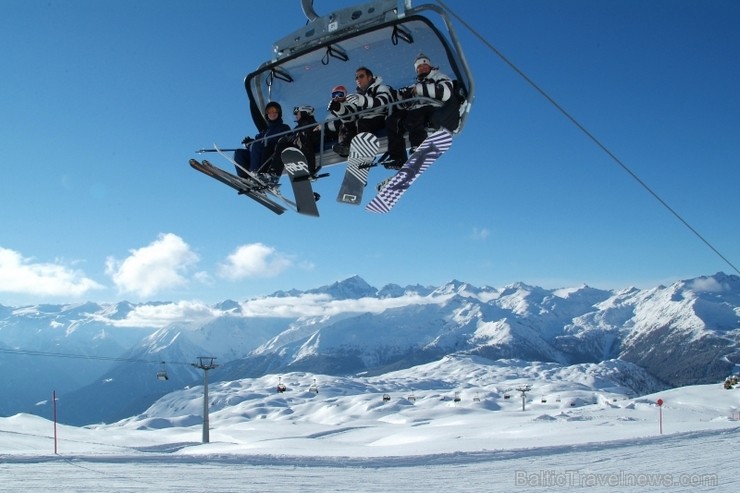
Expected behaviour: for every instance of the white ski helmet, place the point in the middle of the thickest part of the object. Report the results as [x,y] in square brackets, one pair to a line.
[307,109]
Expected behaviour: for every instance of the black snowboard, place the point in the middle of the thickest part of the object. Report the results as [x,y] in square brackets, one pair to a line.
[300,179]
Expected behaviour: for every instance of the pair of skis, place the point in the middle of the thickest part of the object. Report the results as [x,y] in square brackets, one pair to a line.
[268,194]
[362,151]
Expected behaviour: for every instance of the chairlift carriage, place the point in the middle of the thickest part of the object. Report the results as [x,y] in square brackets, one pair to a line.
[383,35]
[314,387]
[162,373]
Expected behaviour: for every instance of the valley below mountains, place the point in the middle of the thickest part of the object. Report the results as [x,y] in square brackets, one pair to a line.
[103,359]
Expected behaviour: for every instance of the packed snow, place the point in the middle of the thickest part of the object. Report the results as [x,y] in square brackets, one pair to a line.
[456,424]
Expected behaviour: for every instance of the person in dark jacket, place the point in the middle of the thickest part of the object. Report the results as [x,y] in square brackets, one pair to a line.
[257,151]
[306,137]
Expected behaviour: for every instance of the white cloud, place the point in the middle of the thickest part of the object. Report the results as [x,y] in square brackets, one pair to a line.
[254,260]
[153,268]
[23,276]
[707,284]
[306,305]
[204,277]
[162,315]
[316,305]
[480,233]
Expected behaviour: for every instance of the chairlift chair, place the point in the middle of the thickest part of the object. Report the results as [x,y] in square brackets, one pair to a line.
[314,388]
[162,373]
[281,386]
[383,35]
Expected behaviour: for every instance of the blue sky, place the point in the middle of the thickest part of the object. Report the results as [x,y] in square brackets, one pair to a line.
[103,103]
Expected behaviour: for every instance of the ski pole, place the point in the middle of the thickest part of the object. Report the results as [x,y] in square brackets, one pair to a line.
[201,151]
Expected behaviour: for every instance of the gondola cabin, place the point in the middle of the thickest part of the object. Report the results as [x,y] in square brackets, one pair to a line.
[385,36]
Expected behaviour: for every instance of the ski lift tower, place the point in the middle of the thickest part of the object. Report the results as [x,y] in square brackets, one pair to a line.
[524,389]
[205,363]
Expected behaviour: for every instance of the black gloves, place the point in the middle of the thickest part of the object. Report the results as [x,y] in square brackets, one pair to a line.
[406,92]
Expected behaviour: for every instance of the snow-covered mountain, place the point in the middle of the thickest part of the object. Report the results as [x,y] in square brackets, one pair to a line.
[469,379]
[57,347]
[685,333]
[130,385]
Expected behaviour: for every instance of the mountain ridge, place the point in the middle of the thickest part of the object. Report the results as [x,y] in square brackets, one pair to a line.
[682,334]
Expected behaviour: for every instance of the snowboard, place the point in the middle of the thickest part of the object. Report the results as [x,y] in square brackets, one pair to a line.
[425,155]
[362,151]
[300,179]
[253,190]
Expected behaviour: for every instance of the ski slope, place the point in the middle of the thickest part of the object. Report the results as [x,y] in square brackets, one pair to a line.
[346,438]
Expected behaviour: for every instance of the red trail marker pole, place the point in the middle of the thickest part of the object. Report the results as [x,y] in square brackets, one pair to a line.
[54,406]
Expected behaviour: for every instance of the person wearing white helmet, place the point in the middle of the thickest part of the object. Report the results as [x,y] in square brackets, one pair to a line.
[307,138]
[432,103]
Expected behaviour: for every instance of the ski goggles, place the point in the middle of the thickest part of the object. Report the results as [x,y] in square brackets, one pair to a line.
[338,94]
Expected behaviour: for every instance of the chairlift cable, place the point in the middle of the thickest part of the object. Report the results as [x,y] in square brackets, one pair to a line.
[85,356]
[586,132]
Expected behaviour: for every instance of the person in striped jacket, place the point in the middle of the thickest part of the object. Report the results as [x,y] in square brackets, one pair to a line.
[371,103]
[432,103]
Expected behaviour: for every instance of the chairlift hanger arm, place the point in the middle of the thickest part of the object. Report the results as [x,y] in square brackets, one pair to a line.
[311,15]
[320,28]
